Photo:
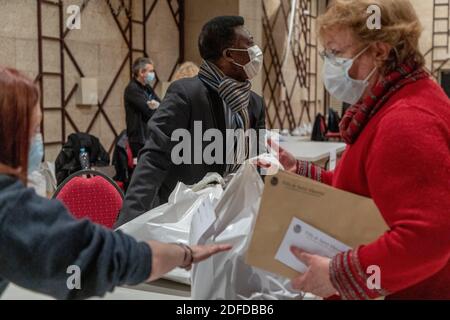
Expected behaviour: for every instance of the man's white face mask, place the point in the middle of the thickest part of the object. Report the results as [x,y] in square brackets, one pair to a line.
[254,66]
[338,82]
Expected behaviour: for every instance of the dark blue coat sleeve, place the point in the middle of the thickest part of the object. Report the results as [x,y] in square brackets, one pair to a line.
[40,241]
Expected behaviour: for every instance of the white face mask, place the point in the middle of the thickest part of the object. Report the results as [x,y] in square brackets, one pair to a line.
[339,83]
[254,66]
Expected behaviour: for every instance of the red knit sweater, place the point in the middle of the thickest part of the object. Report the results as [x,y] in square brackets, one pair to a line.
[401,161]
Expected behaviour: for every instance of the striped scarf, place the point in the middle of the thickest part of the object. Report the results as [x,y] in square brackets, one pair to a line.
[236,96]
[357,116]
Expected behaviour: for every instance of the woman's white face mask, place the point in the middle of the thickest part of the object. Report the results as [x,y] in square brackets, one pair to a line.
[338,82]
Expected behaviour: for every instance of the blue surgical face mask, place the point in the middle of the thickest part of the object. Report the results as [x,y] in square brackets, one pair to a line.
[150,78]
[36,153]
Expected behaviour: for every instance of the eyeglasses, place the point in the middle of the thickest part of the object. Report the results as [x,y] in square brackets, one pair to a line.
[253,51]
[331,56]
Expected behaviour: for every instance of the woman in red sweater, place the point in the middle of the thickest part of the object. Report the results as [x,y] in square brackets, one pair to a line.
[398,154]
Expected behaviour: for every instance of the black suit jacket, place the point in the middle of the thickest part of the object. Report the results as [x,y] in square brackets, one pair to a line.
[155,177]
[137,111]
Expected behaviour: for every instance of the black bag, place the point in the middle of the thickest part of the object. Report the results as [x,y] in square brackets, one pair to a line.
[121,160]
[333,121]
[319,129]
[68,161]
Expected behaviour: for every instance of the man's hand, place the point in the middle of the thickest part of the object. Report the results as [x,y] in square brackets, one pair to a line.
[153,105]
[317,279]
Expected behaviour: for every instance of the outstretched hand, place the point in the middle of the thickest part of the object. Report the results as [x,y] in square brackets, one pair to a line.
[287,160]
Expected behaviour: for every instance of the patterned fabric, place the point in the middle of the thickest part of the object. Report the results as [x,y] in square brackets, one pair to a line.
[357,116]
[343,269]
[236,96]
[309,170]
[94,198]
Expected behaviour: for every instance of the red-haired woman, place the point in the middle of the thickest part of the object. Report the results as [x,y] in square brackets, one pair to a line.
[39,239]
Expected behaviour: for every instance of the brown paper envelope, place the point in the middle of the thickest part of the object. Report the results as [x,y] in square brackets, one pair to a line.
[349,218]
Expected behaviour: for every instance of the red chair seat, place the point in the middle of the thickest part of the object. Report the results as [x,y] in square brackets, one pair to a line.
[93,198]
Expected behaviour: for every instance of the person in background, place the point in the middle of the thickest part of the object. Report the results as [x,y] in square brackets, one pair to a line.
[141,102]
[220,98]
[40,240]
[187,70]
[398,135]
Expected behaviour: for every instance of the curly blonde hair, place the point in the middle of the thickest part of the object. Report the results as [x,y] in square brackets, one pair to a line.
[400,27]
[186,70]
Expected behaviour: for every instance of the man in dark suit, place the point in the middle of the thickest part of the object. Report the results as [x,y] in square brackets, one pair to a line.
[140,103]
[220,99]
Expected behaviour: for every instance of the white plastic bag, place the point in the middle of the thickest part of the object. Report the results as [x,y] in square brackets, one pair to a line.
[43,180]
[227,276]
[36,181]
[171,222]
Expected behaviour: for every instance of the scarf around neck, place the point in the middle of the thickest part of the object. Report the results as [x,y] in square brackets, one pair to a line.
[235,94]
[358,116]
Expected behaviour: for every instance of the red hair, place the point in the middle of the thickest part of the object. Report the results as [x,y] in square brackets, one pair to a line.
[18,98]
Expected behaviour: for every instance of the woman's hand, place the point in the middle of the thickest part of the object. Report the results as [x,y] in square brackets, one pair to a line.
[166,257]
[288,161]
[201,253]
[317,279]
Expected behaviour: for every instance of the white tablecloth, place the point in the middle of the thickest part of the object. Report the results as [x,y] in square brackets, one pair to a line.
[160,290]
[311,151]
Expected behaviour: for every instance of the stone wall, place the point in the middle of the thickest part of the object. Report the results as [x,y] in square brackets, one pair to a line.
[98,48]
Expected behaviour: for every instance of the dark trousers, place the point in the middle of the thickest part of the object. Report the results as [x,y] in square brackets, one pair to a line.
[135,149]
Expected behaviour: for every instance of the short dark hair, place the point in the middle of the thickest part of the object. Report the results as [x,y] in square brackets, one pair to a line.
[140,64]
[217,35]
